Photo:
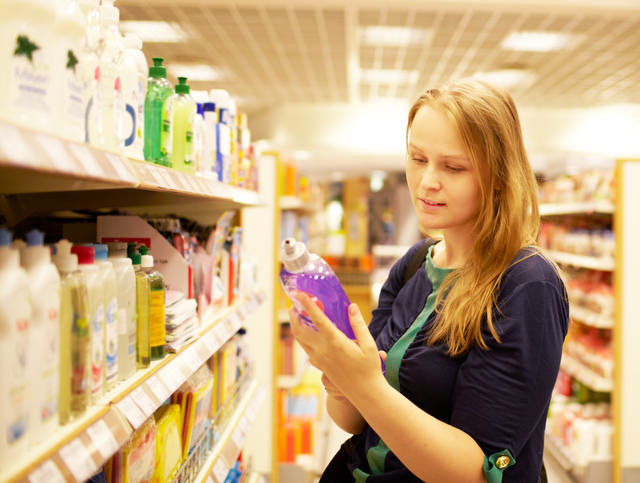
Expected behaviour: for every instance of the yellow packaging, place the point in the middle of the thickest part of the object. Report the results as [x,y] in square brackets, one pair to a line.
[139,454]
[168,443]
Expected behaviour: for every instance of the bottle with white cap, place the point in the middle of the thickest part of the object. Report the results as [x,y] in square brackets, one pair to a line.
[134,83]
[75,343]
[43,362]
[15,315]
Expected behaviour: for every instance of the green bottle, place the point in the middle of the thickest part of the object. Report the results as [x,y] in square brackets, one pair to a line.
[184,111]
[143,348]
[157,120]
[156,305]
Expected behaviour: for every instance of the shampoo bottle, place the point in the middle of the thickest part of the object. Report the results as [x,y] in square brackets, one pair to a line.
[143,347]
[15,314]
[92,280]
[157,118]
[75,341]
[134,82]
[110,302]
[43,355]
[156,305]
[183,109]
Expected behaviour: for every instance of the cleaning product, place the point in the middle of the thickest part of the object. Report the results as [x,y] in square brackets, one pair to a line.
[134,80]
[75,341]
[92,281]
[157,118]
[143,347]
[26,55]
[156,305]
[126,283]
[110,80]
[307,272]
[110,301]
[208,156]
[183,109]
[15,314]
[69,32]
[43,355]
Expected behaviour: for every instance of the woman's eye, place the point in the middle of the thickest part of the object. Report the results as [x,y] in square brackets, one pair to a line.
[454,168]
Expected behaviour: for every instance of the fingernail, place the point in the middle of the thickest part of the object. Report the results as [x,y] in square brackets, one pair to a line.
[353,309]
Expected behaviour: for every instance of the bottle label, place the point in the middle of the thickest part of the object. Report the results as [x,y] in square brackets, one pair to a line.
[111,343]
[166,133]
[30,76]
[72,96]
[189,146]
[156,318]
[50,359]
[97,350]
[17,384]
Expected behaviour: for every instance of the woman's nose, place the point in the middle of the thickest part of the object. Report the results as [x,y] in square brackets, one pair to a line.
[430,178]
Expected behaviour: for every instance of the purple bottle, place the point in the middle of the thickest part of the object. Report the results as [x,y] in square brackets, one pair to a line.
[310,273]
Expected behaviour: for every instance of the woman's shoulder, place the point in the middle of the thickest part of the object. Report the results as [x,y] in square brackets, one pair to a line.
[531,265]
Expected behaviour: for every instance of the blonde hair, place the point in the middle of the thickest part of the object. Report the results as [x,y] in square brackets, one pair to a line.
[508,220]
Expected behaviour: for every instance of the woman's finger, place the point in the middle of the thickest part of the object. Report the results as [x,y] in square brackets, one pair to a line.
[320,320]
[360,329]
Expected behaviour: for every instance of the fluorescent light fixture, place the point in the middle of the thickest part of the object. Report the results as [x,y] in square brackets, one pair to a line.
[195,72]
[382,35]
[154,31]
[389,76]
[507,78]
[376,182]
[301,155]
[537,41]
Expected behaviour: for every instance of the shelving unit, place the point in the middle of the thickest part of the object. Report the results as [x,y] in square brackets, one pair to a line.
[41,174]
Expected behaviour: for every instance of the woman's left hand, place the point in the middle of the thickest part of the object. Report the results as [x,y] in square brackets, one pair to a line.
[348,364]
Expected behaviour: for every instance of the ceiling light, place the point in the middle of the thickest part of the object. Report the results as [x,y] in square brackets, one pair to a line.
[388,76]
[154,31]
[194,72]
[507,78]
[393,36]
[536,41]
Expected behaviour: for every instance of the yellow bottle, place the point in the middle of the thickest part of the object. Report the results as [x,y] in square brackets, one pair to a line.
[184,111]
[143,347]
[156,305]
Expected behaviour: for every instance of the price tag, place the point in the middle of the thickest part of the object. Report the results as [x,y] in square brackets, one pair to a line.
[183,369]
[155,174]
[48,472]
[171,377]
[143,401]
[132,412]
[238,437]
[209,341]
[168,179]
[15,147]
[87,160]
[77,459]
[120,167]
[191,359]
[59,156]
[158,388]
[209,479]
[220,469]
[102,439]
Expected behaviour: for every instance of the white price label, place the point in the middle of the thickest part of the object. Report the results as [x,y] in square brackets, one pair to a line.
[171,377]
[59,156]
[120,167]
[15,147]
[183,369]
[156,175]
[222,333]
[48,472]
[191,359]
[209,479]
[210,342]
[103,439]
[131,412]
[220,469]
[158,388]
[86,159]
[167,178]
[78,460]
[238,437]
[143,401]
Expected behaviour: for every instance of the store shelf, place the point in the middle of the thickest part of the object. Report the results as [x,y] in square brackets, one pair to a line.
[295,203]
[133,400]
[289,382]
[590,318]
[577,208]
[42,173]
[226,450]
[585,375]
[582,261]
[595,471]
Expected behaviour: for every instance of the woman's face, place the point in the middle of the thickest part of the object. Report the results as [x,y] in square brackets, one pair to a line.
[444,186]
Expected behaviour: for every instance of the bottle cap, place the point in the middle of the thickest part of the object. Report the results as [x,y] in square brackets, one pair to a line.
[64,260]
[109,15]
[117,249]
[294,255]
[132,41]
[146,261]
[200,108]
[100,251]
[35,238]
[157,70]
[85,254]
[143,249]
[5,237]
[182,87]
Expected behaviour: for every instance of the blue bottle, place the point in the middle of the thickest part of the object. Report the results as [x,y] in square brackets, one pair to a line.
[307,272]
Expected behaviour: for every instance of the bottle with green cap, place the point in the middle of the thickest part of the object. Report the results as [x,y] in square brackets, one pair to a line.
[184,110]
[143,347]
[157,118]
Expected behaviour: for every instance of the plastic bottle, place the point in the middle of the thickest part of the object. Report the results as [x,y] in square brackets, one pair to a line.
[95,309]
[26,53]
[183,109]
[198,133]
[110,81]
[44,345]
[69,33]
[143,347]
[126,282]
[75,341]
[110,301]
[156,305]
[157,118]
[15,314]
[310,273]
[134,82]
[208,156]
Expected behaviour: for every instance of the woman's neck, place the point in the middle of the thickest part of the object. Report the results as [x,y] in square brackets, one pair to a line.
[452,251]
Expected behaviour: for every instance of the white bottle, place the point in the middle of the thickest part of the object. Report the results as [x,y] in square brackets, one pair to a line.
[44,346]
[67,95]
[134,84]
[110,301]
[26,76]
[95,311]
[15,313]
[207,160]
[110,82]
[127,316]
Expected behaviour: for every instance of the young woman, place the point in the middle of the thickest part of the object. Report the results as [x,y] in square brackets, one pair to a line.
[472,342]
